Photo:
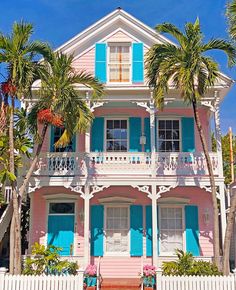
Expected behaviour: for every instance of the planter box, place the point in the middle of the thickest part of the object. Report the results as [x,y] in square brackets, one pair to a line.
[90,282]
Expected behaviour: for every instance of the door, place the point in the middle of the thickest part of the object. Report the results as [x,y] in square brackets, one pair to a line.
[61,227]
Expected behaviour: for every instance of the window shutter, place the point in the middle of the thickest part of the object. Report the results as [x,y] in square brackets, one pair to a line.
[97,135]
[149,231]
[101,62]
[97,221]
[188,140]
[52,139]
[192,229]
[137,63]
[136,230]
[134,134]
[147,134]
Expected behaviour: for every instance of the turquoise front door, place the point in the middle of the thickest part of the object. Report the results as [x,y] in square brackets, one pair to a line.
[61,233]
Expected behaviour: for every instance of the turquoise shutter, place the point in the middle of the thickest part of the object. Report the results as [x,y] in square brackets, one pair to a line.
[136,230]
[137,63]
[192,230]
[97,217]
[147,134]
[101,62]
[149,231]
[188,139]
[52,139]
[135,131]
[97,135]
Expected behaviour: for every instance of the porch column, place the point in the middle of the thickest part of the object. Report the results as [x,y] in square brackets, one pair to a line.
[152,133]
[86,225]
[154,225]
[222,210]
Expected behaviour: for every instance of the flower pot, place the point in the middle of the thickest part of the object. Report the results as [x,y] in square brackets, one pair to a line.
[148,288]
[91,282]
[91,288]
[149,282]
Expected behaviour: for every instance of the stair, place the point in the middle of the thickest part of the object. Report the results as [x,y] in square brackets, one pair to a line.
[120,284]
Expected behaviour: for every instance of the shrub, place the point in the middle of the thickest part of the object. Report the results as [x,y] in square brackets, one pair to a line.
[187,266]
[46,260]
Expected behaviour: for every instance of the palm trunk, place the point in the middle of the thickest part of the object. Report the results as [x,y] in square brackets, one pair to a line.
[216,235]
[33,164]
[228,234]
[16,242]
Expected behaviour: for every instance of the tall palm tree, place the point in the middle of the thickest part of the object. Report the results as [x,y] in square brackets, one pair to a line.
[59,95]
[193,73]
[18,53]
[231,14]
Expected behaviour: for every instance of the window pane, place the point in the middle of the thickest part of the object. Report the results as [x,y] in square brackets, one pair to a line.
[117,138]
[168,130]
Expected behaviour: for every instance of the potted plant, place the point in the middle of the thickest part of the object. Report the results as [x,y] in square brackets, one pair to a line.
[90,275]
[149,277]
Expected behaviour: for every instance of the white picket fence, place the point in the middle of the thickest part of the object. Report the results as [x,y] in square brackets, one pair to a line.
[196,282]
[23,282]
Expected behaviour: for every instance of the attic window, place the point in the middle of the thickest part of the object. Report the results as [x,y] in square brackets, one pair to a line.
[119,63]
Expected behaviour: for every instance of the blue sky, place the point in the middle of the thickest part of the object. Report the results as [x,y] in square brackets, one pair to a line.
[56,21]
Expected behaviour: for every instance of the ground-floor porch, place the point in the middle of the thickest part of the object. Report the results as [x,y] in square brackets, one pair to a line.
[125,226]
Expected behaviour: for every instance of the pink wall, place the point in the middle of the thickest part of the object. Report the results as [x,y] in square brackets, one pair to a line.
[196,195]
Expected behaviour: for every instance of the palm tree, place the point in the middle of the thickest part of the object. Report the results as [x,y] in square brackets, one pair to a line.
[231,14]
[17,52]
[59,96]
[193,73]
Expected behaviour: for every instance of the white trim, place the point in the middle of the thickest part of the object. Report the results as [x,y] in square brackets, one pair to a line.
[169,254]
[105,132]
[116,199]
[116,254]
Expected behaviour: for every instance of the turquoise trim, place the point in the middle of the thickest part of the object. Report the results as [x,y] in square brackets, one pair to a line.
[97,135]
[51,139]
[137,63]
[148,230]
[135,132]
[188,136]
[101,62]
[147,134]
[136,230]
[97,225]
[61,232]
[192,230]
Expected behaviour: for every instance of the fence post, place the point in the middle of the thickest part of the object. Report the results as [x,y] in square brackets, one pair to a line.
[158,279]
[80,274]
[3,272]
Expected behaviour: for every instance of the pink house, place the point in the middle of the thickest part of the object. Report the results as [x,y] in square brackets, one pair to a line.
[135,187]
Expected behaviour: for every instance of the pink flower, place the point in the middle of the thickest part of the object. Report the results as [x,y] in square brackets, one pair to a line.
[149,270]
[91,270]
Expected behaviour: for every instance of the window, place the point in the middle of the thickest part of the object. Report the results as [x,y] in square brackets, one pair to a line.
[56,134]
[62,208]
[117,229]
[116,135]
[171,229]
[119,63]
[168,136]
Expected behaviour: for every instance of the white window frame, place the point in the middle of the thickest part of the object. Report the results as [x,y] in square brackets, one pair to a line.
[109,44]
[75,214]
[171,254]
[105,133]
[116,254]
[169,118]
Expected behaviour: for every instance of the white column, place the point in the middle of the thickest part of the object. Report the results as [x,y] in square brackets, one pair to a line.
[152,133]
[86,225]
[218,133]
[154,225]
[222,210]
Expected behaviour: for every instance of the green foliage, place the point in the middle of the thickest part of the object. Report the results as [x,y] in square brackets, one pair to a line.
[46,260]
[187,266]
[231,15]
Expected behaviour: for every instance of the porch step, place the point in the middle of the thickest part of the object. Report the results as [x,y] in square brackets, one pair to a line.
[124,284]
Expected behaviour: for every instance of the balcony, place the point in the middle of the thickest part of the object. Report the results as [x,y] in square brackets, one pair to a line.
[124,164]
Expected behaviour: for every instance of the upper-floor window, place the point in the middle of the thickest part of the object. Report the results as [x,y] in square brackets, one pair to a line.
[117,135]
[119,63]
[168,135]
[55,136]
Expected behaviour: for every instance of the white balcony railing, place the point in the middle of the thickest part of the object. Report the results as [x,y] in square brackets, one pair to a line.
[125,163]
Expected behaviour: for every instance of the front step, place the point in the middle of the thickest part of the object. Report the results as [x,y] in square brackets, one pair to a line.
[123,284]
